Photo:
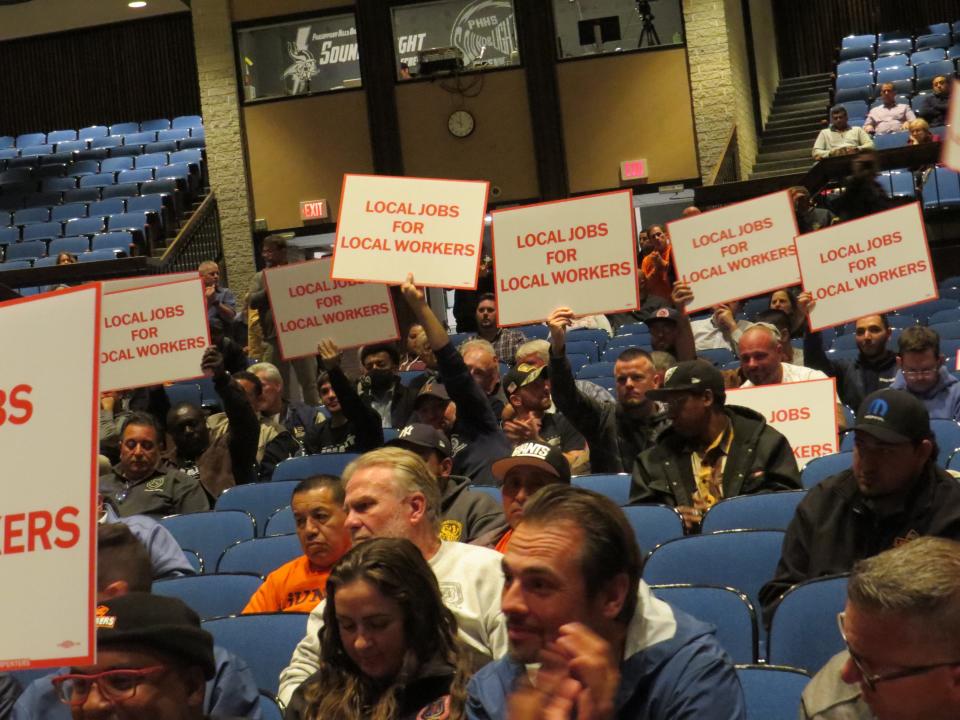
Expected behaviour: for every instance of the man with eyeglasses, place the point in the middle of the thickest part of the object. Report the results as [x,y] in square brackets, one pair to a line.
[894,493]
[923,373]
[901,629]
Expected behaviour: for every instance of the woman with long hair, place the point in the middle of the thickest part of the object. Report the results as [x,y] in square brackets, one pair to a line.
[389,648]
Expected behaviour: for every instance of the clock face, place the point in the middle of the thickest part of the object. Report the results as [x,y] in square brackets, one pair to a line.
[460,124]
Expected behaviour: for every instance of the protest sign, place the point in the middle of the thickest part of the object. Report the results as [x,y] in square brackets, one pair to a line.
[49,409]
[950,152]
[578,253]
[878,263]
[139,281]
[309,305]
[153,335]
[804,412]
[737,251]
[390,226]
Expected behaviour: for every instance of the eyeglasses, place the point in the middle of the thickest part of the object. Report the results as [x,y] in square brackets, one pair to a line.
[871,681]
[114,685]
[921,373]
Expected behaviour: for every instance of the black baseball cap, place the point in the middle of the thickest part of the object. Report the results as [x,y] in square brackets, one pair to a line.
[431,389]
[533,454]
[522,375]
[423,436]
[690,376]
[669,314]
[165,624]
[893,416]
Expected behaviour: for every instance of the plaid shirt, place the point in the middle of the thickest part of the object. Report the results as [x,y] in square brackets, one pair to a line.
[505,344]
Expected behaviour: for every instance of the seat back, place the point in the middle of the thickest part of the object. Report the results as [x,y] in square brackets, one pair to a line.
[264,641]
[763,511]
[300,468]
[820,468]
[211,595]
[615,486]
[728,610]
[772,693]
[259,500]
[281,522]
[653,524]
[803,630]
[947,433]
[593,370]
[26,250]
[210,533]
[261,555]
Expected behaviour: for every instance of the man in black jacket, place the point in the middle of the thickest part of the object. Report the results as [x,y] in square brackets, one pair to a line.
[894,493]
[712,450]
[874,368]
[614,433]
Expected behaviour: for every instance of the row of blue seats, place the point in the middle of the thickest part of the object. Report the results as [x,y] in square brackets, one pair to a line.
[905,80]
[921,57]
[183,122]
[120,240]
[92,256]
[167,138]
[52,198]
[136,218]
[67,157]
[83,168]
[899,41]
[29,217]
[861,108]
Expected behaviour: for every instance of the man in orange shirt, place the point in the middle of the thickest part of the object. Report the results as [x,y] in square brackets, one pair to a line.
[300,585]
[656,266]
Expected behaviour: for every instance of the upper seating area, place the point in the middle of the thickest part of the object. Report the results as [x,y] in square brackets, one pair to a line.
[98,191]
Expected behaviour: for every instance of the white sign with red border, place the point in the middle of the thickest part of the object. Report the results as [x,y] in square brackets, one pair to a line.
[390,226]
[309,305]
[737,251]
[578,253]
[950,152]
[803,412]
[152,335]
[48,478]
[868,266]
[140,281]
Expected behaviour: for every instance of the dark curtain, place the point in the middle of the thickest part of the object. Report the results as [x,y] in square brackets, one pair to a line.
[809,32]
[101,75]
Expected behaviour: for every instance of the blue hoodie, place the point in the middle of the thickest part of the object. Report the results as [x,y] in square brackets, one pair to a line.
[942,400]
[673,669]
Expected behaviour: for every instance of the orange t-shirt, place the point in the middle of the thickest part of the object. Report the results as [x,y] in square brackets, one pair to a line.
[293,587]
[501,546]
[658,278]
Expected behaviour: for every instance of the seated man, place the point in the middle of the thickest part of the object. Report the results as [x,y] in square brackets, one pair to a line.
[809,217]
[890,116]
[922,373]
[137,485]
[391,493]
[711,451]
[166,557]
[294,416]
[529,467]
[123,571]
[781,321]
[465,514]
[528,392]
[537,353]
[900,614]
[874,368]
[300,585]
[936,105]
[894,492]
[721,329]
[380,385]
[839,138]
[481,358]
[575,605]
[505,341]
[220,451]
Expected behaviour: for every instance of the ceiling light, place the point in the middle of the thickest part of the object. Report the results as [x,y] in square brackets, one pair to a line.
[137,4]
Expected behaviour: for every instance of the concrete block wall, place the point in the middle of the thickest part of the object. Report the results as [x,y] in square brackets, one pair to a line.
[213,38]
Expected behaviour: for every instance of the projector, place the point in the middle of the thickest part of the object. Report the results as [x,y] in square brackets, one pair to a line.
[441,59]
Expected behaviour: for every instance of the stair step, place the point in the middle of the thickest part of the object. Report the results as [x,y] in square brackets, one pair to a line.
[805,79]
[790,154]
[803,113]
[785,167]
[816,104]
[771,173]
[774,147]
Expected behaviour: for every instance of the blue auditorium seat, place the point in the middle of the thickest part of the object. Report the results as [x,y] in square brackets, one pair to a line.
[165,185]
[889,61]
[126,150]
[97,255]
[902,183]
[771,692]
[114,164]
[928,71]
[901,77]
[173,134]
[85,167]
[9,235]
[106,141]
[26,250]
[6,141]
[193,142]
[99,180]
[108,206]
[138,175]
[124,128]
[894,45]
[953,52]
[14,175]
[93,131]
[855,46]
[166,146]
[198,133]
[82,194]
[31,215]
[61,135]
[84,226]
[929,55]
[120,241]
[31,139]
[121,190]
[7,153]
[140,138]
[42,231]
[188,121]
[942,189]
[35,150]
[194,155]
[72,146]
[152,160]
[855,86]
[69,244]
[156,124]
[45,198]
[14,264]
[941,28]
[58,183]
[857,65]
[146,203]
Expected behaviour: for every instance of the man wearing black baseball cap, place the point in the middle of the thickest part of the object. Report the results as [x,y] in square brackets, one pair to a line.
[894,493]
[527,469]
[465,514]
[152,662]
[711,451]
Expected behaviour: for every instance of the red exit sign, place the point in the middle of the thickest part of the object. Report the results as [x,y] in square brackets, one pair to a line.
[314,210]
[633,170]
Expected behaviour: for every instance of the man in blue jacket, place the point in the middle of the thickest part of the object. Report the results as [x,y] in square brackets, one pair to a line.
[574,603]
[923,374]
